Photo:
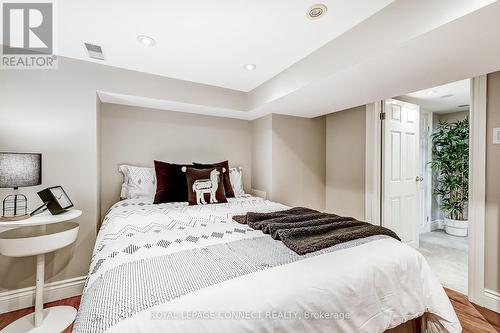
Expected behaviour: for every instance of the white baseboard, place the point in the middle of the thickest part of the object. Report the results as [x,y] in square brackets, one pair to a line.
[491,300]
[24,298]
[437,224]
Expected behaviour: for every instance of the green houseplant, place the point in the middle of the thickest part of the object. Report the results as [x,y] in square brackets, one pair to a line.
[450,148]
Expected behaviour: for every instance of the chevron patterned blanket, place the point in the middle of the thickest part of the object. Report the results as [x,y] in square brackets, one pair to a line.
[178,268]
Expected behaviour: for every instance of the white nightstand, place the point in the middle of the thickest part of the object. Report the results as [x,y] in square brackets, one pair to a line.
[36,236]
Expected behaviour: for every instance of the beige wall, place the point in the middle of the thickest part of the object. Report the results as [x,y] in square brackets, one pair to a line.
[289,159]
[452,117]
[262,172]
[138,136]
[345,162]
[57,113]
[492,239]
[54,112]
[298,153]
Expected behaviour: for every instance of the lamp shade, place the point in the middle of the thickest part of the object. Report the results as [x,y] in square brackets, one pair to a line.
[20,170]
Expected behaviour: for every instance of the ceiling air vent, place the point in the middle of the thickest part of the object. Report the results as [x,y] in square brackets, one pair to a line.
[95,51]
[464,106]
[316,11]
[446,96]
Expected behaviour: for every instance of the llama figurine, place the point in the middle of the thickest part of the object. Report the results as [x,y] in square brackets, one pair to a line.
[210,186]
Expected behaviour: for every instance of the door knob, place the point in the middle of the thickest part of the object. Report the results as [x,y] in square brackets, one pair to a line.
[419,179]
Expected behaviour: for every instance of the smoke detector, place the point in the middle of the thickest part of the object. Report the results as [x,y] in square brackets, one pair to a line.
[316,11]
[95,51]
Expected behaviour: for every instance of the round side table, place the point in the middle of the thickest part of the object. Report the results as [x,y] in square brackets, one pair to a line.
[36,236]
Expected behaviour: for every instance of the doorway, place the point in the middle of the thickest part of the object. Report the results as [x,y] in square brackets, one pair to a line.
[425,169]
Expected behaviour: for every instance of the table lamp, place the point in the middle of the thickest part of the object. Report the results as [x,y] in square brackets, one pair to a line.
[18,170]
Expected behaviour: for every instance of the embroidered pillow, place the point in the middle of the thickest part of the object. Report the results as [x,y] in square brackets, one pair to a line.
[227,181]
[171,183]
[236,177]
[205,186]
[138,182]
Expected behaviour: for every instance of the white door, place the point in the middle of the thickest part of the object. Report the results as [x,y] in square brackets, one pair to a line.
[401,208]
[425,185]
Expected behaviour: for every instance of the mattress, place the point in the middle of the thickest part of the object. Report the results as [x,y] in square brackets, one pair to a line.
[179,268]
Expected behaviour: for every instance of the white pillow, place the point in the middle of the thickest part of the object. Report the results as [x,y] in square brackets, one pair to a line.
[236,178]
[138,182]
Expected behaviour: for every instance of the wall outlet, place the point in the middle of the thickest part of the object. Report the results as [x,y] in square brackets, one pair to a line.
[496,136]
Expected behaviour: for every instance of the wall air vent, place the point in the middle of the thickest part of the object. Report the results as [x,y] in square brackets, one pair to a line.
[95,51]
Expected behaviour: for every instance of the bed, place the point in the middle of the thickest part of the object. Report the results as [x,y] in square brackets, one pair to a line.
[179,268]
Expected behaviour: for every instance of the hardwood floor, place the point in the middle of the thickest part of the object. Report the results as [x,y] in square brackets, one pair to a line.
[474,319]
[492,317]
[9,317]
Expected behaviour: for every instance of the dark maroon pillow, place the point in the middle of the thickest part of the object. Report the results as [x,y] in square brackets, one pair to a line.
[228,187]
[170,183]
[205,186]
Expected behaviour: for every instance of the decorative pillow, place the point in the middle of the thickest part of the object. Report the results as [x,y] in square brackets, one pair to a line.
[236,176]
[138,182]
[171,183]
[227,181]
[205,185]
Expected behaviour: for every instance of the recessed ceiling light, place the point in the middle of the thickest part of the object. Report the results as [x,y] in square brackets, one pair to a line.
[431,92]
[250,67]
[316,11]
[146,40]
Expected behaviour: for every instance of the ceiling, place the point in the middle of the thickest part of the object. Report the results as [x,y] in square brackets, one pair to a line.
[204,41]
[438,99]
[407,46]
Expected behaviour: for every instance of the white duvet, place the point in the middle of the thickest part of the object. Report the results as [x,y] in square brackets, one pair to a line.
[370,287]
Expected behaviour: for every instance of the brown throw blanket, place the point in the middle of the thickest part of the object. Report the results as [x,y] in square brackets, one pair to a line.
[305,230]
